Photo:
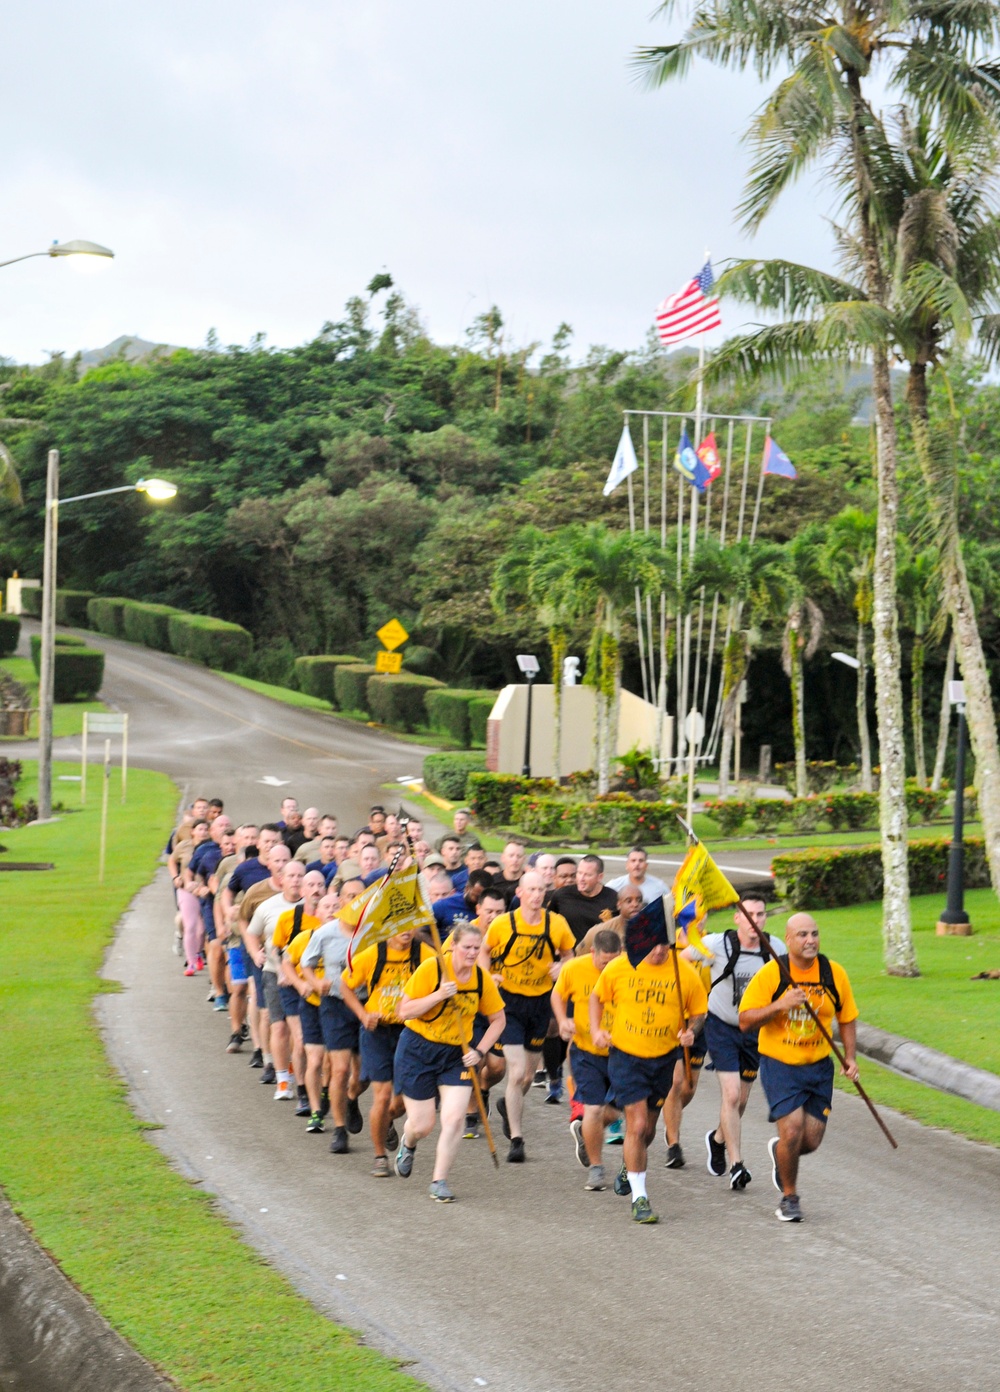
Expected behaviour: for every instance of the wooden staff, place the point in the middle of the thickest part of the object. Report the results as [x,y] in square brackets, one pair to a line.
[680,1003]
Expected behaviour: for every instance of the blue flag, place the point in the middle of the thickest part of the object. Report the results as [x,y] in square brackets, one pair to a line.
[650,927]
[776,461]
[688,463]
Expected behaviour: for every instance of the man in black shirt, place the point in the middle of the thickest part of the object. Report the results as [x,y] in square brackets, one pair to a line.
[588,901]
[511,870]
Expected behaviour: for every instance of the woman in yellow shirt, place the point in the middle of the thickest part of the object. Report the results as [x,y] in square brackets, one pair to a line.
[434,1057]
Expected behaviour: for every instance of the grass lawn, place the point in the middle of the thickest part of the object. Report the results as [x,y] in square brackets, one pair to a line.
[67,717]
[147,1247]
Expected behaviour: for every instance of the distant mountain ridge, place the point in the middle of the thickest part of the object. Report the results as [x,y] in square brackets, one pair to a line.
[127,347]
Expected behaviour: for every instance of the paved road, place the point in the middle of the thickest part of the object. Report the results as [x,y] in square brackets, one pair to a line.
[887,1285]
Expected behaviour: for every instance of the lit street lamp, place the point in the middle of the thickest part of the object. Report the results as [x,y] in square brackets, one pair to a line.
[954,921]
[158,490]
[528,664]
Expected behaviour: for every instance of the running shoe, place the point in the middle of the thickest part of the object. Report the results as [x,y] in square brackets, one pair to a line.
[471,1132]
[354,1118]
[339,1146]
[575,1110]
[739,1176]
[324,1103]
[211,996]
[221,1003]
[380,1169]
[190,971]
[302,1107]
[403,1163]
[581,1150]
[789,1210]
[283,1092]
[515,1156]
[235,1043]
[392,1136]
[440,1192]
[244,1031]
[502,1113]
[772,1150]
[257,1059]
[555,1093]
[541,1078]
[716,1155]
[615,1133]
[622,1186]
[675,1157]
[596,1180]
[200,963]
[315,1127]
[268,1075]
[641,1211]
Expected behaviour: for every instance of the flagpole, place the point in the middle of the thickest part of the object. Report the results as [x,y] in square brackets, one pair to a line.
[680,1006]
[699,412]
[638,604]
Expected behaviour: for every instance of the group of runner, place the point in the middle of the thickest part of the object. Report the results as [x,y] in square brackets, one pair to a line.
[531,986]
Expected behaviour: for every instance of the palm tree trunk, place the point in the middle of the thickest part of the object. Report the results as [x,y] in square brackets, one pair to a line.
[557,647]
[968,644]
[798,717]
[917,709]
[944,719]
[862,706]
[726,751]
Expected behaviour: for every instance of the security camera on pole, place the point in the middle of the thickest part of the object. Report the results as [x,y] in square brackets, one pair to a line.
[528,664]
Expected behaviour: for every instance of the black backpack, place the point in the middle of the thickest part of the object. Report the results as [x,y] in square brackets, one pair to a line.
[733,949]
[544,941]
[825,980]
[382,956]
[297,917]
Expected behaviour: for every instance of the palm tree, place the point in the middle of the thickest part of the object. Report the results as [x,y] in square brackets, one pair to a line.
[803,578]
[920,593]
[849,556]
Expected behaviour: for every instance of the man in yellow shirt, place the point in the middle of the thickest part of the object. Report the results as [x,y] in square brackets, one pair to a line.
[796,1067]
[522,951]
[647,1030]
[588,1063]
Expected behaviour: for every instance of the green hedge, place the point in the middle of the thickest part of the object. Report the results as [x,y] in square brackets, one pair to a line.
[10,634]
[479,714]
[446,774]
[105,616]
[820,775]
[448,712]
[491,794]
[350,686]
[71,607]
[399,701]
[61,640]
[612,820]
[148,623]
[421,661]
[79,673]
[839,811]
[31,602]
[315,675]
[828,879]
[225,646]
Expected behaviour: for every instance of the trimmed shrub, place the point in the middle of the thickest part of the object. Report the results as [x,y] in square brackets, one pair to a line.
[820,775]
[448,712]
[479,714]
[10,634]
[71,607]
[614,820]
[148,623]
[768,814]
[970,805]
[350,685]
[399,701]
[446,774]
[422,662]
[105,616]
[851,811]
[62,640]
[923,805]
[31,601]
[821,878]
[213,642]
[547,816]
[491,794]
[79,673]
[315,675]
[728,814]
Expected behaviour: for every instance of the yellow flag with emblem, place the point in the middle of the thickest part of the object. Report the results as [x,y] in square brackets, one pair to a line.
[701,883]
[396,904]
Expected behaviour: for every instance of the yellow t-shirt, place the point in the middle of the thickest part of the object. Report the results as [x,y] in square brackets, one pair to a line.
[285,925]
[395,974]
[647,1016]
[451,1022]
[293,954]
[791,1036]
[576,981]
[526,969]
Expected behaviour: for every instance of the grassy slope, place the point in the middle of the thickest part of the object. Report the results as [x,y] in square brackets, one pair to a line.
[163,1266]
[67,718]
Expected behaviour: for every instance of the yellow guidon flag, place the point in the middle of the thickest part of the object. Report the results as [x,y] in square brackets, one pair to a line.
[699,887]
[394,905]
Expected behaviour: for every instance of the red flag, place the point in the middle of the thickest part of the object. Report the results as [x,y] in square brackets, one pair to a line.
[708,453]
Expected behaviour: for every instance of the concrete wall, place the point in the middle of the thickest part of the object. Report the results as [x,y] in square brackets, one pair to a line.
[505,729]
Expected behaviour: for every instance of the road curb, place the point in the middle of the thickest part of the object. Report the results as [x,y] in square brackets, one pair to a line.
[929,1066]
[51,1338]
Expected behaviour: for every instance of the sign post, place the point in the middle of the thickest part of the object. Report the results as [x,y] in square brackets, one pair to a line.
[391,635]
[103,723]
[104,811]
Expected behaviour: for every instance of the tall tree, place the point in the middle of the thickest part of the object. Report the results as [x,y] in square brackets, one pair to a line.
[849,557]
[920,593]
[803,579]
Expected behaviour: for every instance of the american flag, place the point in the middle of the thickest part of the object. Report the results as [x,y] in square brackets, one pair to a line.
[691,310]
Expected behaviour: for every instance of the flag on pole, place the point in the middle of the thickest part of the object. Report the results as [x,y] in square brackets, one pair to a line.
[624,462]
[776,461]
[651,926]
[688,464]
[691,310]
[700,879]
[394,905]
[708,453]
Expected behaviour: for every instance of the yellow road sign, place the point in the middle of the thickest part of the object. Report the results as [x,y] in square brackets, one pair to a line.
[389,662]
[392,634]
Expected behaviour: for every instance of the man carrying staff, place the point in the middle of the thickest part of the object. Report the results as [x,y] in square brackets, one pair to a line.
[796,1067]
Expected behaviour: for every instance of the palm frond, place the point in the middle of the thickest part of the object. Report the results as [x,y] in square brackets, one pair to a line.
[783,285]
[930,289]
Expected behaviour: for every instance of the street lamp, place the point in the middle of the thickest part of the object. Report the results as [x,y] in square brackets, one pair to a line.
[528,664]
[158,490]
[954,921]
[77,248]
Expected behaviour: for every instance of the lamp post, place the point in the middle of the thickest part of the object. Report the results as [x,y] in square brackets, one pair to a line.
[76,248]
[954,921]
[528,664]
[159,490]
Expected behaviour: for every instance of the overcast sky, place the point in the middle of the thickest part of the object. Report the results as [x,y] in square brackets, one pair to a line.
[252,165]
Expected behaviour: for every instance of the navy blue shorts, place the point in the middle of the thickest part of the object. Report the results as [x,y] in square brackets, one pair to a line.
[591,1080]
[340,1026]
[422,1066]
[290,1001]
[312,1029]
[732,1051]
[208,918]
[378,1050]
[635,1079]
[479,1027]
[789,1086]
[527,1020]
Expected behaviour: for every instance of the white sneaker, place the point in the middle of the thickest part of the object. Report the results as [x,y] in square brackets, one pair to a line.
[178,943]
[283,1092]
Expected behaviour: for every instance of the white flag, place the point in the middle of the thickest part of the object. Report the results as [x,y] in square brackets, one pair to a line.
[625,462]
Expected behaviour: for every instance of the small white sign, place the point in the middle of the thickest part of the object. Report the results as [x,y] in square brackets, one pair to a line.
[694,727]
[99,723]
